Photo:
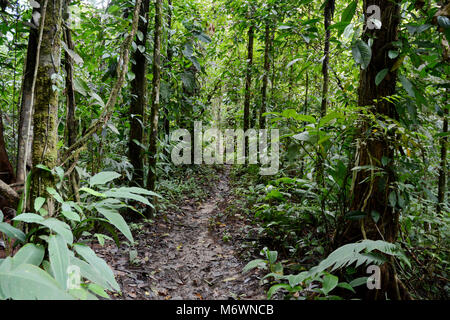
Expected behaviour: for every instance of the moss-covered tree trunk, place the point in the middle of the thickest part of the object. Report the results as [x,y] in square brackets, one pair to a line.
[155,100]
[45,135]
[139,99]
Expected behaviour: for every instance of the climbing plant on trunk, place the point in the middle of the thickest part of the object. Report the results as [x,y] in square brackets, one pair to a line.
[374,179]
[45,134]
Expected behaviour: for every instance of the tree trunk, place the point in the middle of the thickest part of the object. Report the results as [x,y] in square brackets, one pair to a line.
[26,104]
[155,100]
[166,121]
[371,191]
[442,183]
[328,15]
[45,136]
[248,82]
[71,129]
[139,100]
[71,124]
[262,120]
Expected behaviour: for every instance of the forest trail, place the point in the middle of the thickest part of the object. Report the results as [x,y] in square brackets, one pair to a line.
[181,257]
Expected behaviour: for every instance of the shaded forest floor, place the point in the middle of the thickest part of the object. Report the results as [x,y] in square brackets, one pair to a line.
[190,251]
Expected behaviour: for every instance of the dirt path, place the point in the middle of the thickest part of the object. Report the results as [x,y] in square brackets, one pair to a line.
[181,258]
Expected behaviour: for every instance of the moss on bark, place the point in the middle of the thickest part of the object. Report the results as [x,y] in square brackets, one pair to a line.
[45,135]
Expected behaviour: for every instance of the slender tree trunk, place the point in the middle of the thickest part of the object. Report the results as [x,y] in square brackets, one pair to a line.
[71,129]
[248,82]
[26,104]
[139,99]
[45,136]
[442,183]
[328,14]
[371,191]
[262,120]
[71,124]
[166,121]
[155,99]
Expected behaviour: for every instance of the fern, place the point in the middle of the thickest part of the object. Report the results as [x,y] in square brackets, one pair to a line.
[361,253]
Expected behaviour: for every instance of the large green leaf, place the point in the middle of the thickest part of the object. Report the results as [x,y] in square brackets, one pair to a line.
[38,203]
[123,194]
[59,258]
[12,232]
[53,224]
[329,283]
[380,76]
[103,177]
[98,264]
[349,12]
[28,282]
[29,254]
[116,220]
[140,191]
[254,264]
[362,53]
[29,218]
[90,273]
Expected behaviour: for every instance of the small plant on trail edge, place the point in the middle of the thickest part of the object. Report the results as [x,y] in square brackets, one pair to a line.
[317,283]
[50,265]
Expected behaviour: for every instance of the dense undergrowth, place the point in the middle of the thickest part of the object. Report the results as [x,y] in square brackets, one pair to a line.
[294,229]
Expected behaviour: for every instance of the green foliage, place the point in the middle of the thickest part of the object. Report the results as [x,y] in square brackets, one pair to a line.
[317,283]
[27,276]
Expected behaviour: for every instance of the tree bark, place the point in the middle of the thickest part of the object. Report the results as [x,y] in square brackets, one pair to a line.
[374,149]
[139,100]
[442,182]
[155,100]
[26,104]
[166,121]
[248,82]
[71,129]
[45,135]
[262,120]
[328,14]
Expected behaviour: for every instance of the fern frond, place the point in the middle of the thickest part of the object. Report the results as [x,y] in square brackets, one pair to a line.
[359,253]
